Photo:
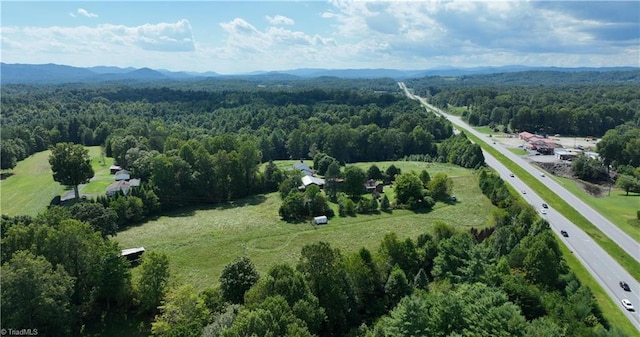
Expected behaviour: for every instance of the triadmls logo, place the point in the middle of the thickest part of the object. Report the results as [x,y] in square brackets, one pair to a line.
[19,332]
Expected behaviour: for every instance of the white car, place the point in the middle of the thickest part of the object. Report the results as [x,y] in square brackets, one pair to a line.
[543,211]
[627,305]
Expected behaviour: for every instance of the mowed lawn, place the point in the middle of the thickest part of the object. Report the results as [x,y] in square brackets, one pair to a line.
[30,187]
[200,242]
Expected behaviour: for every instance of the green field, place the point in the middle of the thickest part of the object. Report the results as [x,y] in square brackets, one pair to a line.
[618,207]
[29,188]
[200,242]
[456,110]
[519,151]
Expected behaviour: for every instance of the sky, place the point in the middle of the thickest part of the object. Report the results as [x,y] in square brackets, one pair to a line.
[232,37]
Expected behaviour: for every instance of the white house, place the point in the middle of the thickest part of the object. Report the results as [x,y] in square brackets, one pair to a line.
[309,180]
[123,175]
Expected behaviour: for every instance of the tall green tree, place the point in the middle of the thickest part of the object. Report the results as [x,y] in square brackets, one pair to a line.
[373,172]
[104,220]
[628,183]
[71,165]
[397,286]
[36,295]
[80,249]
[542,259]
[323,270]
[409,191]
[331,178]
[183,314]
[154,279]
[367,282]
[441,187]
[237,277]
[354,178]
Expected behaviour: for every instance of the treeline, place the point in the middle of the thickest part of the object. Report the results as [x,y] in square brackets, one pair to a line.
[348,124]
[574,106]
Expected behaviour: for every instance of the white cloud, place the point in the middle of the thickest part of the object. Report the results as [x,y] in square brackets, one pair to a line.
[244,36]
[424,31]
[353,34]
[95,43]
[86,13]
[280,20]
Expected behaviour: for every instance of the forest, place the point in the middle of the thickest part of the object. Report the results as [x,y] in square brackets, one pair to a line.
[548,103]
[205,142]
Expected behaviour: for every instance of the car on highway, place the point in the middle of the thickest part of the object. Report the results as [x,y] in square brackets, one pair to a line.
[564,233]
[627,304]
[624,286]
[524,192]
[542,175]
[511,175]
[545,205]
[543,211]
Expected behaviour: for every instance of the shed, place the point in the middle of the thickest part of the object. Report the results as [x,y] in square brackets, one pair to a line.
[132,254]
[320,220]
[114,168]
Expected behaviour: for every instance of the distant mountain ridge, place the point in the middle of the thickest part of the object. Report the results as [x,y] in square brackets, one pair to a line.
[57,74]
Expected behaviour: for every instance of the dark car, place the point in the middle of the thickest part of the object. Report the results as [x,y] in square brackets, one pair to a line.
[545,206]
[564,233]
[624,286]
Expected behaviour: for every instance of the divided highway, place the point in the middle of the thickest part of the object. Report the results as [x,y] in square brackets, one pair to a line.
[604,269]
[622,239]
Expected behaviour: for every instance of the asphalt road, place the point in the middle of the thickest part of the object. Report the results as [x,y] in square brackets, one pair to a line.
[602,267]
[622,239]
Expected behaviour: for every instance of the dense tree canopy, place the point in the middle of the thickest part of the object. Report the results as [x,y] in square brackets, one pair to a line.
[568,103]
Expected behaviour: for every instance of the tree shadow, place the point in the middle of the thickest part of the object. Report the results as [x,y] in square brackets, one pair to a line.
[247,201]
[5,175]
[191,210]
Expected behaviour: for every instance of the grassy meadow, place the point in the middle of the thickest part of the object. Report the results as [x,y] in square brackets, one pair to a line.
[29,187]
[201,241]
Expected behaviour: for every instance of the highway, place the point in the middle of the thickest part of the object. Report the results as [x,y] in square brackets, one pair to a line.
[622,239]
[604,269]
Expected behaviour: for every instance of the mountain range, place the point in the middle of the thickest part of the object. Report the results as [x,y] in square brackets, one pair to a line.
[56,74]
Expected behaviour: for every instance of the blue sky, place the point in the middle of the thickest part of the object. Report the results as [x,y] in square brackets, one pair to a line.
[231,37]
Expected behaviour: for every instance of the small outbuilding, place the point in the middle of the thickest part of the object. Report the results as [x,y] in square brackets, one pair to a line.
[320,220]
[114,168]
[309,180]
[132,254]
